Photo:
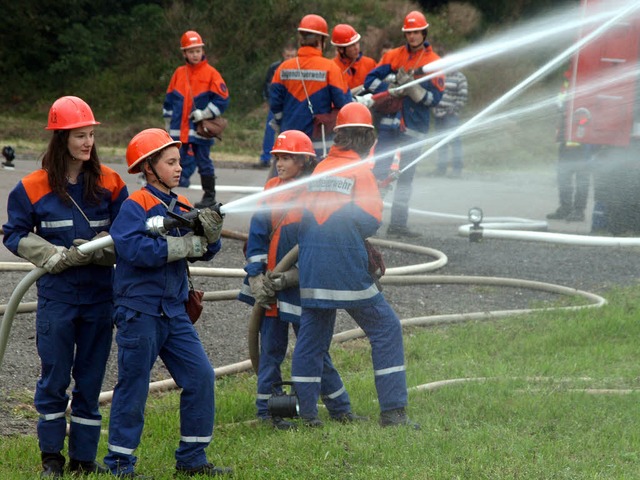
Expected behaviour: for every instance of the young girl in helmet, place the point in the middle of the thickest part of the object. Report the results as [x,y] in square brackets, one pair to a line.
[340,210]
[151,288]
[272,234]
[71,200]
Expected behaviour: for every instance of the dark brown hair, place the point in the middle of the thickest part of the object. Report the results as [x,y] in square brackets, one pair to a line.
[358,139]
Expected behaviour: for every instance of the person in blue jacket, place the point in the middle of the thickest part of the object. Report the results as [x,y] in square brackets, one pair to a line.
[150,290]
[70,200]
[272,234]
[341,209]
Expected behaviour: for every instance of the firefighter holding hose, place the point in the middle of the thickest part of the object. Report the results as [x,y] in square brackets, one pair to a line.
[150,289]
[339,212]
[405,120]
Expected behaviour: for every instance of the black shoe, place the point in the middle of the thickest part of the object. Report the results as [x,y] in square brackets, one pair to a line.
[560,214]
[208,469]
[52,465]
[575,216]
[279,423]
[349,417]
[314,422]
[133,475]
[86,468]
[397,417]
[402,232]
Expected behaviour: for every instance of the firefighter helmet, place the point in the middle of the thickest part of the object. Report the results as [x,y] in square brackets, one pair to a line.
[344,35]
[293,142]
[414,21]
[146,143]
[191,39]
[354,114]
[70,112]
[314,24]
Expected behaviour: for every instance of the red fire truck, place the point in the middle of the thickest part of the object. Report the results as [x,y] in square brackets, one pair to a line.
[604,111]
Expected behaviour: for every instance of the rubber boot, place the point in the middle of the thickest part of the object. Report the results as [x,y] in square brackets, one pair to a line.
[52,465]
[209,187]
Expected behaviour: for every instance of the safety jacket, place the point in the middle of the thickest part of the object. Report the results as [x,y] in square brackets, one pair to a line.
[33,207]
[309,75]
[192,87]
[144,281]
[355,72]
[414,117]
[339,212]
[273,232]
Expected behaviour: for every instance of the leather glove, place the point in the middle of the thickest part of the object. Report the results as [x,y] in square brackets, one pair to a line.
[282,280]
[105,256]
[167,123]
[199,115]
[275,126]
[419,94]
[396,93]
[211,224]
[189,246]
[263,295]
[366,100]
[402,76]
[69,257]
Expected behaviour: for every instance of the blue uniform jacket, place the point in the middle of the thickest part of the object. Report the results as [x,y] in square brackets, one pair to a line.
[273,232]
[144,281]
[33,207]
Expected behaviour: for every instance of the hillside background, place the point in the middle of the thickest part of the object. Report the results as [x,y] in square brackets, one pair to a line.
[119,55]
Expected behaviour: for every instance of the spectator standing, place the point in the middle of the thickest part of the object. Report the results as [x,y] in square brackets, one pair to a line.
[447,118]
[150,289]
[272,234]
[405,121]
[289,51]
[196,91]
[308,85]
[352,63]
[340,211]
[71,200]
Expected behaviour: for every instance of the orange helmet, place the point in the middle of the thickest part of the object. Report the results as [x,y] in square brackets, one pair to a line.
[146,143]
[70,112]
[414,21]
[314,24]
[354,114]
[191,39]
[293,142]
[344,35]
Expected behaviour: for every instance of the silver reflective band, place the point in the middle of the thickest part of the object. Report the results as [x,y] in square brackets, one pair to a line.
[51,416]
[195,439]
[306,379]
[336,394]
[100,223]
[286,307]
[387,371]
[258,258]
[86,421]
[123,450]
[263,396]
[57,224]
[325,294]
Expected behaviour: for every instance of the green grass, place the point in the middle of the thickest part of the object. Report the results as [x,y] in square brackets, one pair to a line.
[511,425]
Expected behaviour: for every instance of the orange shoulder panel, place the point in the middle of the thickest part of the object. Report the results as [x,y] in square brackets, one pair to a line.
[36,184]
[144,199]
[111,181]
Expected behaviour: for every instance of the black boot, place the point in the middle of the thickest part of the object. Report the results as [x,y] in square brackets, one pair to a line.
[52,465]
[85,468]
[209,187]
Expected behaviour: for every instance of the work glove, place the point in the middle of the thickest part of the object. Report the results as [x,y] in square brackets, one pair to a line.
[199,115]
[105,256]
[419,94]
[283,280]
[189,246]
[275,126]
[167,123]
[262,293]
[402,76]
[366,99]
[53,258]
[211,223]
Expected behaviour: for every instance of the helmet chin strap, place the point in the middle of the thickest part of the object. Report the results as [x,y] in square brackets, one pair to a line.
[153,169]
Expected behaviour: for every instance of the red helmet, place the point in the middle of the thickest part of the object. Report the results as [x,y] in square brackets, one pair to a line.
[146,143]
[314,24]
[414,21]
[293,142]
[70,112]
[354,114]
[191,39]
[344,35]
